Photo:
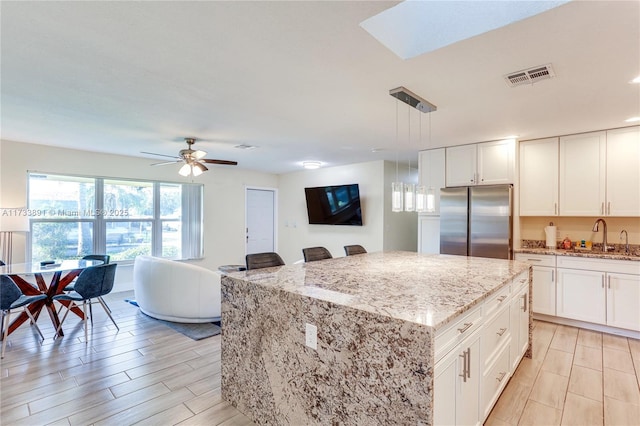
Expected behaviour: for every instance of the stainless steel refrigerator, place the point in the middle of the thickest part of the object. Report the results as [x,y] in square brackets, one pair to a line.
[477,221]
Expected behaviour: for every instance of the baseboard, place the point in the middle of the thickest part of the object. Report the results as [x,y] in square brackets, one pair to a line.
[588,325]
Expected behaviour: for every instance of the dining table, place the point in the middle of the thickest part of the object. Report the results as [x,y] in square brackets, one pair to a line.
[50,279]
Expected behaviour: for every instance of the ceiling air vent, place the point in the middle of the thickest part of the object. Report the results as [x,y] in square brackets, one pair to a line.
[529,76]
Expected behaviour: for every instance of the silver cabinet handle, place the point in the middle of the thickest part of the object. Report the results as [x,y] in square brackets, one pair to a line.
[526,302]
[464,366]
[609,208]
[501,299]
[603,281]
[534,260]
[466,327]
[501,376]
[555,208]
[553,275]
[609,281]
[468,363]
[501,332]
[602,208]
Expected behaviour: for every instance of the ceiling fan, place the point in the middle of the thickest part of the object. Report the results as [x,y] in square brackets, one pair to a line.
[193,160]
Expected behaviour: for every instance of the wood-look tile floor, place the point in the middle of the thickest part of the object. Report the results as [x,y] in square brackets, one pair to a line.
[576,377]
[149,374]
[146,373]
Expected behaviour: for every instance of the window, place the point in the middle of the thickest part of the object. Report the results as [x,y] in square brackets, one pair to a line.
[72,216]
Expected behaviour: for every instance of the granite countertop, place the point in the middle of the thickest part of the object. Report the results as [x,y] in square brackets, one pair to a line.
[425,289]
[617,255]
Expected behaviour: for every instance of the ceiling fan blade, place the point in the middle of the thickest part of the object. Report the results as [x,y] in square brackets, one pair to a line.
[225,162]
[161,155]
[164,163]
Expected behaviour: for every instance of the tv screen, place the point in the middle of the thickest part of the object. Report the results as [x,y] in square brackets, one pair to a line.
[334,205]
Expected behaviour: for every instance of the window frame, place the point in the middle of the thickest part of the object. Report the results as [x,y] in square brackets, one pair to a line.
[191,220]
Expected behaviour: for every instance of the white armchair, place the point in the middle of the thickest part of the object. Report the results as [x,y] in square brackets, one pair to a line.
[176,291]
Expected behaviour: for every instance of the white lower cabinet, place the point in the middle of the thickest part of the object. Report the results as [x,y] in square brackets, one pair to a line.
[623,301]
[581,295]
[457,384]
[476,355]
[544,281]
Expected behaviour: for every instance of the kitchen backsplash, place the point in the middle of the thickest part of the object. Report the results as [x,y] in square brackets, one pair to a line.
[634,249]
[580,228]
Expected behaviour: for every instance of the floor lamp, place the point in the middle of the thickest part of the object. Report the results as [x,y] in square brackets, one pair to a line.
[11,221]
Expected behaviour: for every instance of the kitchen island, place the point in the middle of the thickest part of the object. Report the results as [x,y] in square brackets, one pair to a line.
[385,322]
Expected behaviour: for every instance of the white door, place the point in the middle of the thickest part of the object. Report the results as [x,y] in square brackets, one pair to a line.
[581,295]
[260,220]
[623,301]
[429,234]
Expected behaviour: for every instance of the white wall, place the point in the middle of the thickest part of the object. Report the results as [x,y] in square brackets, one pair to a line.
[224,199]
[295,233]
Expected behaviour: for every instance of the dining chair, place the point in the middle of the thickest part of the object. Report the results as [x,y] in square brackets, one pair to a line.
[312,254]
[263,260]
[2,263]
[11,297]
[354,249]
[105,259]
[93,282]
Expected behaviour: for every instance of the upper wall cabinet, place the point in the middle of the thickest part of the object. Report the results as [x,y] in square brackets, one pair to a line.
[623,172]
[539,177]
[487,163]
[590,174]
[431,166]
[583,174]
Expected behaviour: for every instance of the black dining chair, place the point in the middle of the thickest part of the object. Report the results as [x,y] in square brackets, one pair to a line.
[2,263]
[263,260]
[354,249]
[11,297]
[105,259]
[92,283]
[312,254]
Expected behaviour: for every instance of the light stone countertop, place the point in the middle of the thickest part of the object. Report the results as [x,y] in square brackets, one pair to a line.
[581,253]
[426,289]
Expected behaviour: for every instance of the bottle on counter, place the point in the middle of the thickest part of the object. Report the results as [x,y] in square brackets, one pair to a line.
[566,243]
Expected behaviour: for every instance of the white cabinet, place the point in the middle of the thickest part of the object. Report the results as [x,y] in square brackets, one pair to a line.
[623,172]
[432,176]
[457,384]
[519,311]
[600,291]
[582,174]
[487,163]
[581,295]
[544,282]
[623,301]
[539,178]
[429,234]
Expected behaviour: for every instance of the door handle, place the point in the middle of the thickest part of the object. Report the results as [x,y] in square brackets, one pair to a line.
[609,208]
[466,327]
[526,302]
[501,332]
[468,363]
[501,376]
[609,281]
[553,275]
[464,366]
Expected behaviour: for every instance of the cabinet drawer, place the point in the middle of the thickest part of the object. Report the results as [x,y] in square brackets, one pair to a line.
[603,265]
[496,301]
[494,334]
[537,259]
[457,331]
[493,381]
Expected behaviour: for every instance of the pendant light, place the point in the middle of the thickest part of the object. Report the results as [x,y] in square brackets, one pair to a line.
[406,197]
[421,191]
[409,188]
[397,186]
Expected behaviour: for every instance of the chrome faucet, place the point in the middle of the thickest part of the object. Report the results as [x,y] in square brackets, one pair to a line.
[626,238]
[604,232]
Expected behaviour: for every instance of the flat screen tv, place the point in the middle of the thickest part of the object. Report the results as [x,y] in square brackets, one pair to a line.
[334,205]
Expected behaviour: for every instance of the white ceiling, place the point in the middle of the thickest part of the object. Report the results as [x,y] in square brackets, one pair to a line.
[300,80]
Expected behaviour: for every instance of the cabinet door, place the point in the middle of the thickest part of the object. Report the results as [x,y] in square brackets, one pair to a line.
[444,390]
[539,177]
[582,174]
[623,301]
[461,165]
[544,290]
[581,295]
[496,162]
[468,391]
[429,234]
[623,172]
[432,166]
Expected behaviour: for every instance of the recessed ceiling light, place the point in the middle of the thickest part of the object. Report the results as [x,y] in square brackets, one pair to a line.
[635,80]
[311,164]
[377,149]
[632,120]
[245,146]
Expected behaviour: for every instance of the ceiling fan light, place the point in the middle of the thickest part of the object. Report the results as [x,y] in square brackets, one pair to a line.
[200,167]
[198,154]
[185,170]
[196,171]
